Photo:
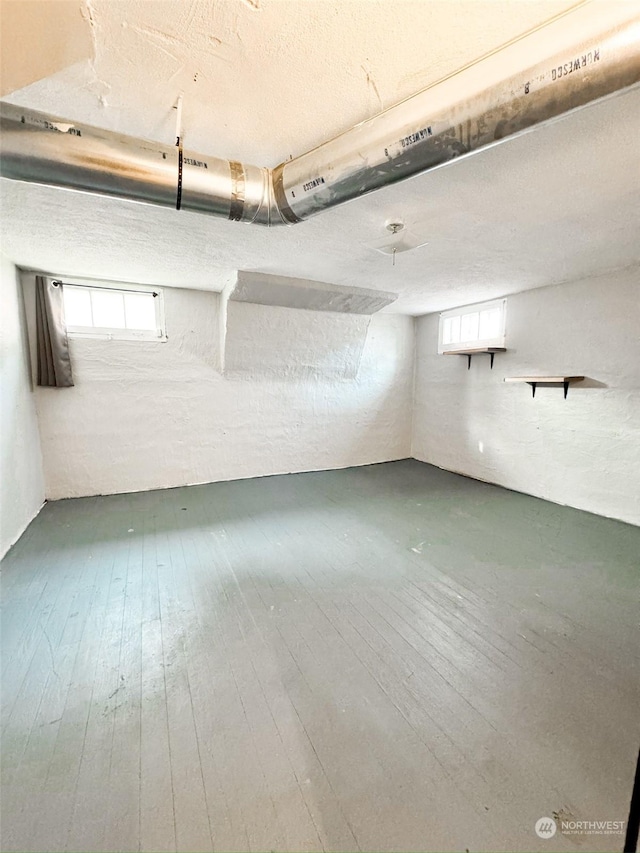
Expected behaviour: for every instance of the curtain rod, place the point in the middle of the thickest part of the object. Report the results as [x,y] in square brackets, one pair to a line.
[58,281]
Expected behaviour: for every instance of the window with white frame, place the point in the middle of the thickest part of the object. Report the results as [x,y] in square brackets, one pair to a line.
[114,311]
[473,327]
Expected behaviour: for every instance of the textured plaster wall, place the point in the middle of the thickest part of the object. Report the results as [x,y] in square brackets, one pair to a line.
[152,415]
[39,39]
[21,476]
[300,343]
[583,451]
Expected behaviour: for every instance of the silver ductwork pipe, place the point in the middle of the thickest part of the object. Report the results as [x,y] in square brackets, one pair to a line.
[442,123]
[419,134]
[43,149]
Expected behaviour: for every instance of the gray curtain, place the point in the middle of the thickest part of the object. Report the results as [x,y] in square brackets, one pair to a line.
[54,363]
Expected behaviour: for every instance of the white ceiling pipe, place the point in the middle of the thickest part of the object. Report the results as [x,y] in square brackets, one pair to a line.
[472,110]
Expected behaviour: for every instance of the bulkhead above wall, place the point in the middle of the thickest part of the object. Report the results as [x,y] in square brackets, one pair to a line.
[289,328]
[286,292]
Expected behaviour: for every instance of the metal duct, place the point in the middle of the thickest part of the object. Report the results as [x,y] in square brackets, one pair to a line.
[412,137]
[286,292]
[46,150]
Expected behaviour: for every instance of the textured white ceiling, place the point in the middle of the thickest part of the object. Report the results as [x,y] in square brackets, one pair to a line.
[266,79]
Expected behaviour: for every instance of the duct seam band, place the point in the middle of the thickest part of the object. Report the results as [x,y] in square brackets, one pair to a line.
[236,207]
[280,198]
[179,189]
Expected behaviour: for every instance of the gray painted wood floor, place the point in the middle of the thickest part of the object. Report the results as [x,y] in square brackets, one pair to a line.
[381,658]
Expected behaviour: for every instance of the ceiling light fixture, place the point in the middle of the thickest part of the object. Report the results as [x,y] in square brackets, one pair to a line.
[400,239]
[395,228]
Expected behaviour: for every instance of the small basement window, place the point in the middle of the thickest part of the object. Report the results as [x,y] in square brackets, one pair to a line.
[473,327]
[114,312]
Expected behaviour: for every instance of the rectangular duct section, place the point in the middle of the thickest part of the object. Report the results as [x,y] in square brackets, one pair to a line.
[285,292]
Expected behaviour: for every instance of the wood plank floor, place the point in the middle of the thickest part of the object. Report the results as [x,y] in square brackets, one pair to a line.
[380,658]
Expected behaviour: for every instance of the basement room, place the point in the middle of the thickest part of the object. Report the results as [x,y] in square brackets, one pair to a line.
[320,425]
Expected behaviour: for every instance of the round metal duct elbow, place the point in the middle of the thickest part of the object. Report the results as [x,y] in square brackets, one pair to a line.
[450,120]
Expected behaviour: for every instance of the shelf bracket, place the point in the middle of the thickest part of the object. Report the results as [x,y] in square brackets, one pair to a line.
[555,381]
[470,355]
[565,386]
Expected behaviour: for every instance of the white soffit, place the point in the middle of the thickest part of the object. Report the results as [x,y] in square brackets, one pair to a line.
[287,292]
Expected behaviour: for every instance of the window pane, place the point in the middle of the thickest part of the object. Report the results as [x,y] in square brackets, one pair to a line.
[108,309]
[77,306]
[490,324]
[140,311]
[455,330]
[469,327]
[473,326]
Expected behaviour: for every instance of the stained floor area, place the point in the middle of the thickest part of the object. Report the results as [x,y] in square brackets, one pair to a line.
[381,658]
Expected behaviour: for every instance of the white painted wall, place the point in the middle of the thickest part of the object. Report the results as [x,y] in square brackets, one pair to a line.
[311,390]
[583,451]
[152,415]
[21,476]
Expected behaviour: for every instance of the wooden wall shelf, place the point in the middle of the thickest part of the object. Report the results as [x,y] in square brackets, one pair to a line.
[479,351]
[551,381]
